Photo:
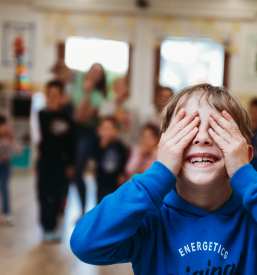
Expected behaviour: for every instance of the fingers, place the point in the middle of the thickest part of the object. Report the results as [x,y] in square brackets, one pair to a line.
[182,124]
[186,130]
[229,118]
[185,141]
[219,140]
[227,123]
[220,131]
[177,119]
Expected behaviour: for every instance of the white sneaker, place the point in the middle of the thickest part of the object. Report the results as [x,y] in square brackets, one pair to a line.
[8,220]
[52,237]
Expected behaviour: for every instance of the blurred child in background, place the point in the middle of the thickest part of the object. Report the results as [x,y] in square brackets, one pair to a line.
[111,156]
[7,142]
[120,108]
[56,159]
[88,95]
[161,99]
[253,116]
[143,156]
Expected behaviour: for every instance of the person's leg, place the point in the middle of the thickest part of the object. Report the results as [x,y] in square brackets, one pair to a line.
[4,178]
[43,173]
[64,193]
[50,180]
[57,189]
[85,147]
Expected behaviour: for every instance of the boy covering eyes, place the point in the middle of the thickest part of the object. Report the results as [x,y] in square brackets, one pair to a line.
[195,210]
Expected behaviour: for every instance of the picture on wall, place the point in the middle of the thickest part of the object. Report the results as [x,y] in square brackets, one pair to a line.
[251,57]
[11,30]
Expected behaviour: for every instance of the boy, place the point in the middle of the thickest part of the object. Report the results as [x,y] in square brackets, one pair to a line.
[56,159]
[182,216]
[111,156]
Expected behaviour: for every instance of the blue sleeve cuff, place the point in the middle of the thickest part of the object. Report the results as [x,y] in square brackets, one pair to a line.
[158,177]
[243,178]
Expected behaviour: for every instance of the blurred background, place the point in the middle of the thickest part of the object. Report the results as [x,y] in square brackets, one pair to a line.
[82,86]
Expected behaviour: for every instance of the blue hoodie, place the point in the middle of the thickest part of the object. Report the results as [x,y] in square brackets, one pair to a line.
[147,223]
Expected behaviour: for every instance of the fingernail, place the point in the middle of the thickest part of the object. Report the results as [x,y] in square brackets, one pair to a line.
[196,118]
[211,119]
[182,111]
[194,112]
[213,113]
[225,113]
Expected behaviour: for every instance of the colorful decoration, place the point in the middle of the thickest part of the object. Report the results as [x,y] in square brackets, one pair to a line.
[21,74]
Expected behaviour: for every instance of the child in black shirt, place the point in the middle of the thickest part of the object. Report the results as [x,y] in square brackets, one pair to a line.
[56,159]
[111,156]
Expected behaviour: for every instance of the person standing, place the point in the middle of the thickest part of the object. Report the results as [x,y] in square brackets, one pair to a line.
[87,96]
[56,159]
[121,109]
[111,156]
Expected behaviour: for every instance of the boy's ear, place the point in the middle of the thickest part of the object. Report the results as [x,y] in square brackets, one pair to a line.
[250,152]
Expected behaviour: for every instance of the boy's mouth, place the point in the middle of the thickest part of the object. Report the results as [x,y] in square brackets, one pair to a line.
[202,159]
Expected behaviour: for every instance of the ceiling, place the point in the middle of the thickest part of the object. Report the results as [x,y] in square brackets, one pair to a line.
[235,9]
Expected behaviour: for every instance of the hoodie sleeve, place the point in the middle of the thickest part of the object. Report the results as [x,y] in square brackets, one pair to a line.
[244,182]
[115,231]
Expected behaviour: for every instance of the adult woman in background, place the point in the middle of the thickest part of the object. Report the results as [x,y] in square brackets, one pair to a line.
[86,99]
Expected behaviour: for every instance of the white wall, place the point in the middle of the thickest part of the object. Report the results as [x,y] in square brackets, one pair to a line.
[142,66]
[44,54]
[238,81]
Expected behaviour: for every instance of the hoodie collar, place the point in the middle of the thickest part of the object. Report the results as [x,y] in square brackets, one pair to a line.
[175,201]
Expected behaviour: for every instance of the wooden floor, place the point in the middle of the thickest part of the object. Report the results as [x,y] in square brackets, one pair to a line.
[21,249]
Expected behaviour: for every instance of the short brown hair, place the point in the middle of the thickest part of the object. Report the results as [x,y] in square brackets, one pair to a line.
[55,83]
[217,97]
[111,119]
[153,128]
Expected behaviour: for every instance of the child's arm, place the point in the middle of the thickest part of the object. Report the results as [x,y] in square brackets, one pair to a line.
[117,230]
[238,154]
[244,182]
[114,230]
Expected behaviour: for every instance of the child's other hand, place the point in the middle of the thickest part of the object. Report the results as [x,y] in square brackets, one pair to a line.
[228,137]
[180,133]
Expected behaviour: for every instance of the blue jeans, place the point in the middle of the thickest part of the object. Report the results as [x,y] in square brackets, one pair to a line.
[4,180]
[86,145]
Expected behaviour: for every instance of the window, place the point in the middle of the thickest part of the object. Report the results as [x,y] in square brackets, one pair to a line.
[81,53]
[184,62]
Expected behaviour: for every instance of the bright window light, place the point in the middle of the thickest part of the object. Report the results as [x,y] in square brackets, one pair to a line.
[185,62]
[180,51]
[81,53]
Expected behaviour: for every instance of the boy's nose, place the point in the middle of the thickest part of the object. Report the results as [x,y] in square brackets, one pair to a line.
[202,138]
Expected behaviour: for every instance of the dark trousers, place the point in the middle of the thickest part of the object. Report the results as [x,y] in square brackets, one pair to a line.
[103,191]
[4,190]
[86,144]
[52,185]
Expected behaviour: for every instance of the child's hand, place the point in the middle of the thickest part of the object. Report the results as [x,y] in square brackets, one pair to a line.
[228,137]
[180,133]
